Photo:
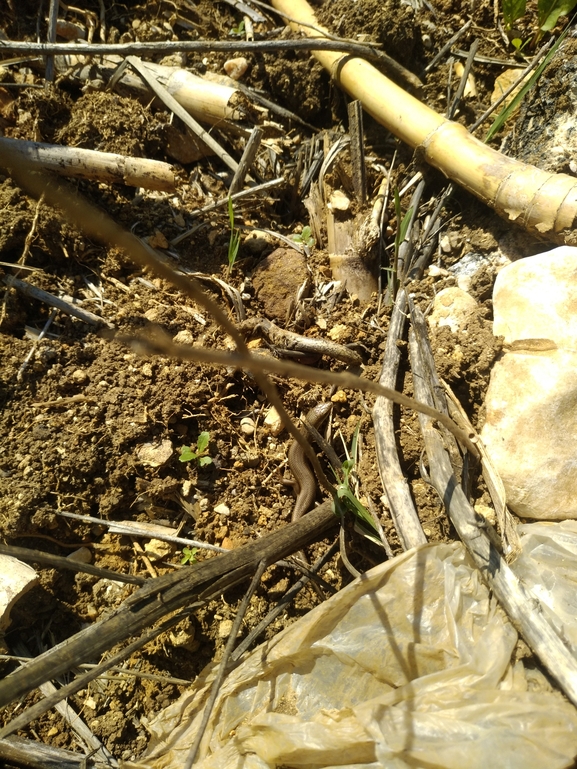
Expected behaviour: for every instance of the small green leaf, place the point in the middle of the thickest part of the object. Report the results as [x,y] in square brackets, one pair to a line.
[202,442]
[203,461]
[513,10]
[188,555]
[550,10]
[405,224]
[186,454]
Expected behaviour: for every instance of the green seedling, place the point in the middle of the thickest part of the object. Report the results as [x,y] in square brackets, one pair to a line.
[238,30]
[198,453]
[305,237]
[512,11]
[507,111]
[234,241]
[400,234]
[188,555]
[548,13]
[346,499]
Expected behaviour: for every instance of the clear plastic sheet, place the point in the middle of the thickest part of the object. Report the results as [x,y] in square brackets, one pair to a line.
[409,666]
[547,566]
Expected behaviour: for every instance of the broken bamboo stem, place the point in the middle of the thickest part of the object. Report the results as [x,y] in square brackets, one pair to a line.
[91,164]
[543,203]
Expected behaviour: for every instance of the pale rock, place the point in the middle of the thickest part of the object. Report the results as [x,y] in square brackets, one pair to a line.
[155,454]
[339,333]
[531,420]
[158,549]
[445,244]
[236,68]
[247,426]
[536,298]
[108,592]
[183,337]
[222,509]
[16,578]
[273,421]
[79,376]
[338,201]
[452,307]
[82,555]
[224,628]
[184,636]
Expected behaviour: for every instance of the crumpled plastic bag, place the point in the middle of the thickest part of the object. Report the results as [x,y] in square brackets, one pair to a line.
[547,566]
[408,666]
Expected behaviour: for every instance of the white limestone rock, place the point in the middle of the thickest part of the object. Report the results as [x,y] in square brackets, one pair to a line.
[16,579]
[531,415]
[452,307]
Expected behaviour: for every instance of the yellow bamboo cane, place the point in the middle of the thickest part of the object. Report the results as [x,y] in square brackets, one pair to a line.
[542,202]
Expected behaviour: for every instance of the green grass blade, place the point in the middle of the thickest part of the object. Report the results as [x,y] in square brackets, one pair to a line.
[504,115]
[550,10]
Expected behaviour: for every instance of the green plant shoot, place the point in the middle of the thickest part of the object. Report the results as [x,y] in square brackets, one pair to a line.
[513,10]
[238,29]
[234,241]
[199,453]
[548,12]
[188,555]
[346,497]
[305,237]
[403,223]
[507,111]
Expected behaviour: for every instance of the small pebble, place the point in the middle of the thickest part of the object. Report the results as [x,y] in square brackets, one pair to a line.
[155,454]
[224,628]
[183,337]
[338,201]
[247,426]
[157,549]
[339,333]
[82,555]
[79,376]
[273,421]
[235,68]
[222,509]
[339,397]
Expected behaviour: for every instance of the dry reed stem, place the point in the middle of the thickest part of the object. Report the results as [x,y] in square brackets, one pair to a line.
[543,203]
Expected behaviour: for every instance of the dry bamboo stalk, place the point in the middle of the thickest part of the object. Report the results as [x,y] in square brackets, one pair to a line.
[204,99]
[403,512]
[18,751]
[90,164]
[181,112]
[541,202]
